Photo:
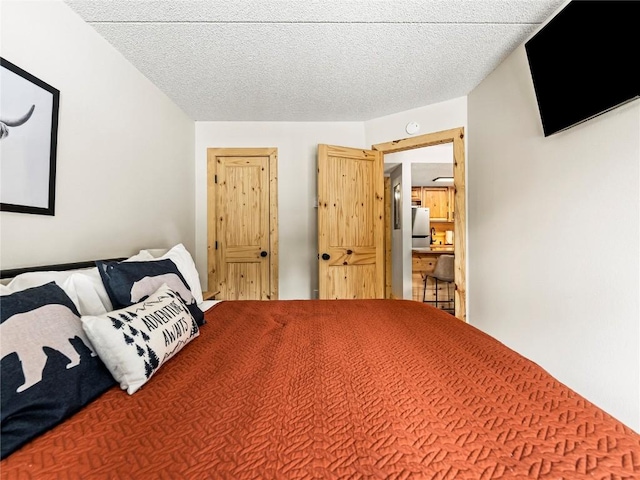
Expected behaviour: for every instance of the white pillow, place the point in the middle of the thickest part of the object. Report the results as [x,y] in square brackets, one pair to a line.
[88,293]
[141,256]
[83,285]
[134,342]
[36,279]
[187,267]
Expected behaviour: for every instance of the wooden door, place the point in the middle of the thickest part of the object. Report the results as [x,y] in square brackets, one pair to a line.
[437,200]
[243,223]
[350,223]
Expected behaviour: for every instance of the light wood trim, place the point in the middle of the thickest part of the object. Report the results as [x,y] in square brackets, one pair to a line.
[210,295]
[387,237]
[273,227]
[459,225]
[455,136]
[378,173]
[323,226]
[212,154]
[211,223]
[427,140]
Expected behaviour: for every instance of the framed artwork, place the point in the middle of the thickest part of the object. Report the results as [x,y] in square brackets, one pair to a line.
[397,206]
[28,141]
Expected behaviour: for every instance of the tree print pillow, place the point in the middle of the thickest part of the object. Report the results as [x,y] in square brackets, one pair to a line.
[135,341]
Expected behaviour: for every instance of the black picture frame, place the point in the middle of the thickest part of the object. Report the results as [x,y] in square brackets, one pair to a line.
[28,141]
[397,206]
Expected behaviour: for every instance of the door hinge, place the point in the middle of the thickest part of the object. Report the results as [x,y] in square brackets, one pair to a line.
[215,178]
[216,244]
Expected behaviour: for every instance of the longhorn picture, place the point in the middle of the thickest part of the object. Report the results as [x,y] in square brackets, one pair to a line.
[28,142]
[5,124]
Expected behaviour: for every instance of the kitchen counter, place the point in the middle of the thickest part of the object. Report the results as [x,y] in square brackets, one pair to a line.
[434,250]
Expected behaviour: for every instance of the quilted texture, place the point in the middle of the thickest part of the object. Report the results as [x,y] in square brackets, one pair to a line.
[386,389]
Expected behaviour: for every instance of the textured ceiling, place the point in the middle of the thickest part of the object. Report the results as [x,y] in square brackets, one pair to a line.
[313,60]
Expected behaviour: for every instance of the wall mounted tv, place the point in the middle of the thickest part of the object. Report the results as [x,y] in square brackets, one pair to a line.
[584,61]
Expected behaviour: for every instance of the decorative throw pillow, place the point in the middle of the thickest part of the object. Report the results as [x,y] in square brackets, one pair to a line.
[134,342]
[130,282]
[49,368]
[184,261]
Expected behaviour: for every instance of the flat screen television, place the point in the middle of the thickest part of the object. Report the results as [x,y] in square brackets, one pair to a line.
[584,61]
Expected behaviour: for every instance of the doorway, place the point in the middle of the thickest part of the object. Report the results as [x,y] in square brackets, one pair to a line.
[456,137]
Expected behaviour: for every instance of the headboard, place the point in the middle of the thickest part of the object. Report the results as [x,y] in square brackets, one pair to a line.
[13,272]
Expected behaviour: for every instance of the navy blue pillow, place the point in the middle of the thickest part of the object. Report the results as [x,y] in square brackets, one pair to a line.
[132,282]
[49,368]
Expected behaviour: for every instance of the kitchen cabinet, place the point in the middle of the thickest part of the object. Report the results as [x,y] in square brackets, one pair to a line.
[437,200]
[416,196]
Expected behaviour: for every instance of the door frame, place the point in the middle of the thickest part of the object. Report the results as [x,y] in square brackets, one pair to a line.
[455,136]
[212,154]
[387,235]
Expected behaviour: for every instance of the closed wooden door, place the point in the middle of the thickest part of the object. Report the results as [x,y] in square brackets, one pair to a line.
[350,223]
[242,223]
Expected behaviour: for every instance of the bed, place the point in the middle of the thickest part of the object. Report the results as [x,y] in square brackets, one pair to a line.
[288,389]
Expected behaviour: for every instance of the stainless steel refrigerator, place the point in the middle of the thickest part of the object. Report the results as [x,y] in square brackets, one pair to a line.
[420,227]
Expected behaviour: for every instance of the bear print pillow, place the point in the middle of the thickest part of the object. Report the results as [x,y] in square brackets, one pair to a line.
[131,282]
[49,367]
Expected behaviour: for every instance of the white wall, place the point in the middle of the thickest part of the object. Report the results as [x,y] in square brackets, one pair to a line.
[397,242]
[125,172]
[432,118]
[554,238]
[297,144]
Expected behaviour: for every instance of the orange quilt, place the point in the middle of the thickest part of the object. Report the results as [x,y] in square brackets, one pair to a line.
[387,389]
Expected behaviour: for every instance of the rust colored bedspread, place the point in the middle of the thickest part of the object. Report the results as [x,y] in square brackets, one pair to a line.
[337,389]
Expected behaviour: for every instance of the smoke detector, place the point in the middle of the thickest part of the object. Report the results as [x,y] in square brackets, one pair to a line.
[412,127]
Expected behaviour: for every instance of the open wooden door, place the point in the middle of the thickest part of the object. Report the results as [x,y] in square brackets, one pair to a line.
[350,223]
[243,226]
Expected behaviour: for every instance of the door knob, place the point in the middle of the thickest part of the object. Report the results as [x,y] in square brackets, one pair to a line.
[263,253]
[326,256]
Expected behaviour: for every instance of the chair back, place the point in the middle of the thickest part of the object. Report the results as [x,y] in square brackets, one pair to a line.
[444,269]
